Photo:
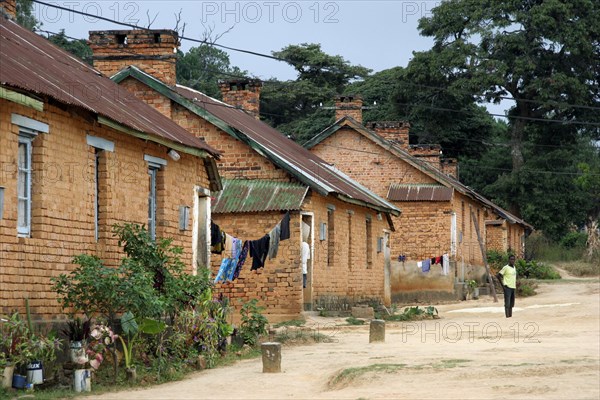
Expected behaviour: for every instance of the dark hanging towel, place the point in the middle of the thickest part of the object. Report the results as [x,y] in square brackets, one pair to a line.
[215,234]
[216,239]
[285,227]
[258,251]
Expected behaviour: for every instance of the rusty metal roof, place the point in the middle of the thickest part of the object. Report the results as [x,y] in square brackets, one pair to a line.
[243,195]
[421,165]
[33,64]
[287,154]
[419,192]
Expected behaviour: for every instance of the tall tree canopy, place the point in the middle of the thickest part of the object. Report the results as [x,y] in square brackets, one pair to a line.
[294,107]
[202,67]
[545,56]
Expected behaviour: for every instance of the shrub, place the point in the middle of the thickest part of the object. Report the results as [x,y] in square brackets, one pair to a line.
[536,270]
[414,313]
[526,288]
[253,323]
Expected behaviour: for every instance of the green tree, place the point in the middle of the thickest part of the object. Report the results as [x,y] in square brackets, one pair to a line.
[589,181]
[543,54]
[295,107]
[25,16]
[77,47]
[202,67]
[377,91]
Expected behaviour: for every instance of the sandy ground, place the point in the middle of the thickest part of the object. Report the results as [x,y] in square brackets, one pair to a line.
[550,349]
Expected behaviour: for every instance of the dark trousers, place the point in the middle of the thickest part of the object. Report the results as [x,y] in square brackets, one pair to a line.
[304,280]
[509,301]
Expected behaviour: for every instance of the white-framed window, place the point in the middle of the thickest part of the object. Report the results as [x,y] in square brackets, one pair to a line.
[28,130]
[100,146]
[152,171]
[154,165]
[24,183]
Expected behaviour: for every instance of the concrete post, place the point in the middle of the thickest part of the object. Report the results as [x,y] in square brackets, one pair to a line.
[271,356]
[377,331]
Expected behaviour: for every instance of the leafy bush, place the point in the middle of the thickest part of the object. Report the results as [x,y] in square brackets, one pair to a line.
[253,323]
[574,240]
[526,288]
[536,270]
[150,282]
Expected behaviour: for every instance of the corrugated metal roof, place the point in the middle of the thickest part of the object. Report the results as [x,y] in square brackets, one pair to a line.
[32,63]
[402,192]
[418,164]
[240,195]
[287,154]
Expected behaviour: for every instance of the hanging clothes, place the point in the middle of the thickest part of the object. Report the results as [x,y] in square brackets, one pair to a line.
[420,264]
[285,227]
[274,241]
[235,258]
[216,239]
[228,244]
[438,260]
[221,275]
[426,265]
[242,259]
[445,264]
[258,251]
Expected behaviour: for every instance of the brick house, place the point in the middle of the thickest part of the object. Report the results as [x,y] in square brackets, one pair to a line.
[265,175]
[439,213]
[78,153]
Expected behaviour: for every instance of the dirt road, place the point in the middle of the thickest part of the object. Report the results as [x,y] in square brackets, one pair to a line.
[550,349]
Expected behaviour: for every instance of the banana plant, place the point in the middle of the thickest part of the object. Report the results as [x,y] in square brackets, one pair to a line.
[132,329]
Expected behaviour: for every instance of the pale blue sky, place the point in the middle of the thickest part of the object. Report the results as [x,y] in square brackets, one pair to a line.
[374,34]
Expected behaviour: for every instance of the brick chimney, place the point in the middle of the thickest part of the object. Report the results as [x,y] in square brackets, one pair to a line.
[429,153]
[154,51]
[449,167]
[393,131]
[244,94]
[9,8]
[349,105]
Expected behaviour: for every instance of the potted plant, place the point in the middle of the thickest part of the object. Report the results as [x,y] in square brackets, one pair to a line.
[15,349]
[78,333]
[42,350]
[99,338]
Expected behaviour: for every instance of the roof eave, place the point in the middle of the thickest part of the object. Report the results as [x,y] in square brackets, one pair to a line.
[145,136]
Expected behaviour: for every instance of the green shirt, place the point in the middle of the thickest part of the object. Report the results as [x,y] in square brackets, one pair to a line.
[509,276]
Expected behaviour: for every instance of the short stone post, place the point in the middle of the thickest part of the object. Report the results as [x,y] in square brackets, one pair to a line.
[377,331]
[271,356]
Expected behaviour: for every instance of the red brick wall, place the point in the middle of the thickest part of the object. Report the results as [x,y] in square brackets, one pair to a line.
[62,201]
[244,94]
[349,106]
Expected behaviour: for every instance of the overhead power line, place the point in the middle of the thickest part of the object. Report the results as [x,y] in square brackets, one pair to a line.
[254,53]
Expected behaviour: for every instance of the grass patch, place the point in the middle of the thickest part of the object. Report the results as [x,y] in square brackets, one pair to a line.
[302,336]
[580,268]
[346,376]
[293,322]
[355,321]
[450,363]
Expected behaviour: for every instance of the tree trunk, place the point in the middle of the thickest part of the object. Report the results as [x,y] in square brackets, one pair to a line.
[516,152]
[593,241]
